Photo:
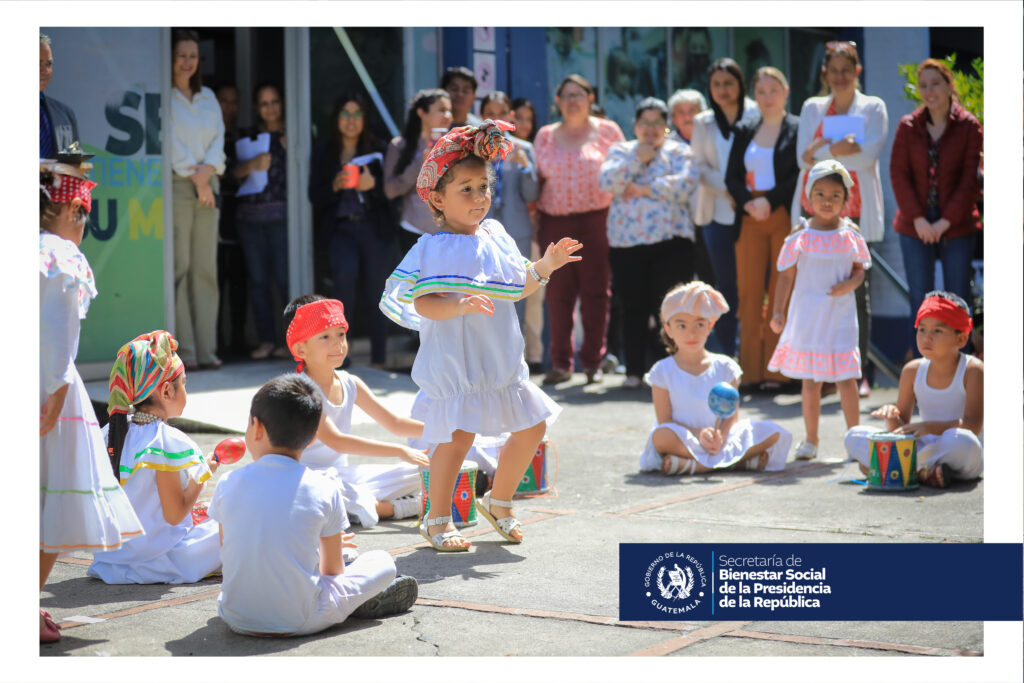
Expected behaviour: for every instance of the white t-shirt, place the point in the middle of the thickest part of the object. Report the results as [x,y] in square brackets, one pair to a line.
[273,514]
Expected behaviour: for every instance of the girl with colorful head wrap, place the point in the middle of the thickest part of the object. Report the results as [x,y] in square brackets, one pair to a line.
[821,264]
[950,419]
[161,469]
[81,507]
[457,287]
[686,437]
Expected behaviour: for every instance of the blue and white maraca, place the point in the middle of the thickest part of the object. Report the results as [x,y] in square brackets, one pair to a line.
[723,400]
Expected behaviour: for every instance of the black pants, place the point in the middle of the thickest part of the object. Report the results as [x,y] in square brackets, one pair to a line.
[641,276]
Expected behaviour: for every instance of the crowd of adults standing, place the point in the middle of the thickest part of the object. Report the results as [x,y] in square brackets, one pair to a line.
[704,188]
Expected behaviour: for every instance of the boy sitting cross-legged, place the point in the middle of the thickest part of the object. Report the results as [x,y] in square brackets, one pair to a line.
[281,531]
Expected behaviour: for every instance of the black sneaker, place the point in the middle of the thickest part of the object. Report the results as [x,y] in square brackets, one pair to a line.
[397,597]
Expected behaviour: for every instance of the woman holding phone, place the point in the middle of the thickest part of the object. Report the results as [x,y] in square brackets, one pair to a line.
[429,117]
[346,187]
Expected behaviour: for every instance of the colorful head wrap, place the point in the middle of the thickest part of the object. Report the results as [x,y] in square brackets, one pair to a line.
[696,298]
[827,168]
[486,141]
[946,311]
[142,365]
[311,319]
[68,182]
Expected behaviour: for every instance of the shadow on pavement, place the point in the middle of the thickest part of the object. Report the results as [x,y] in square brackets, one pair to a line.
[85,591]
[216,639]
[430,566]
[68,644]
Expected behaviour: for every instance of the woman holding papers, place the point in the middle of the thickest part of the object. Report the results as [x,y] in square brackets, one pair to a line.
[261,216]
[346,187]
[851,127]
[197,158]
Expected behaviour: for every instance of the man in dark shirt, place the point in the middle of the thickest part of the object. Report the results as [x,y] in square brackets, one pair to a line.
[58,127]
[461,85]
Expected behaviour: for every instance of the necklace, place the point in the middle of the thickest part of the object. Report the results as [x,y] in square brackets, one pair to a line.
[141,418]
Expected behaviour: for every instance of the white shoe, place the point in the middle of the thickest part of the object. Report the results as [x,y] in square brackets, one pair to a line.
[407,506]
[632,382]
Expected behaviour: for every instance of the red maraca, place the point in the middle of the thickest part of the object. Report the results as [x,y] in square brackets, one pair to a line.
[229,451]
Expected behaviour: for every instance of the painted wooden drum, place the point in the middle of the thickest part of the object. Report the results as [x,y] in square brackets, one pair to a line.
[535,479]
[893,464]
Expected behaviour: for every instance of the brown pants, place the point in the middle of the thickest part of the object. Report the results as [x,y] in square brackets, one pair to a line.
[757,251]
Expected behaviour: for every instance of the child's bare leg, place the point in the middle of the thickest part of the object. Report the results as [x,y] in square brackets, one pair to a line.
[849,399]
[46,562]
[512,463]
[385,509]
[810,400]
[667,443]
[444,470]
[759,452]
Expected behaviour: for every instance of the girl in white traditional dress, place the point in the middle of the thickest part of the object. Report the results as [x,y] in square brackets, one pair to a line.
[161,469]
[457,287]
[81,507]
[827,258]
[686,438]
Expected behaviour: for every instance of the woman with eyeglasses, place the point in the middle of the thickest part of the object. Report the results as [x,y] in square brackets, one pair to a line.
[761,177]
[346,187]
[934,173]
[262,222]
[572,204]
[858,151]
[650,232]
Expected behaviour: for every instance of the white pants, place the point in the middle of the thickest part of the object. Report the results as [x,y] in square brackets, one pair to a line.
[961,449]
[341,595]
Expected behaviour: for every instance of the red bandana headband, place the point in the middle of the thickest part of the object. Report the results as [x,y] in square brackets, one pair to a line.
[946,311]
[312,319]
[66,187]
[486,141]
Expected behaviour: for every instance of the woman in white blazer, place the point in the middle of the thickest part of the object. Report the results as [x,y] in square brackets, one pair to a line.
[715,215]
[840,78]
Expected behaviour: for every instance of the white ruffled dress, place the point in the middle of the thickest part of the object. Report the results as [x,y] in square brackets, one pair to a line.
[81,507]
[470,366]
[819,341]
[688,395]
[169,553]
[361,485]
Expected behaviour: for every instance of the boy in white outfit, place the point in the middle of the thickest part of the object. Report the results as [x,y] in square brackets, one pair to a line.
[948,387]
[281,530]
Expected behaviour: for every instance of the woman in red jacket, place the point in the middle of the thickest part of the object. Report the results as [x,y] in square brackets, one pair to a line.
[934,173]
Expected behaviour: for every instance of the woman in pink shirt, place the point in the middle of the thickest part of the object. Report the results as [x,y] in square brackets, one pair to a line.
[571,204]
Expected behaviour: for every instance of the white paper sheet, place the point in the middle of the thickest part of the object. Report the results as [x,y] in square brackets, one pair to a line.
[246,148]
[839,126]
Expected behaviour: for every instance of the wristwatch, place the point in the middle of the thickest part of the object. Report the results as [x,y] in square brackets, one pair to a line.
[536,276]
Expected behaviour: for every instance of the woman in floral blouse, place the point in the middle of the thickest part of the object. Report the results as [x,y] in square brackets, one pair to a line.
[649,228]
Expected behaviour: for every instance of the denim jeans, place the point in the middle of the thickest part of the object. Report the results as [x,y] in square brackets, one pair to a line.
[265,246]
[919,264]
[720,241]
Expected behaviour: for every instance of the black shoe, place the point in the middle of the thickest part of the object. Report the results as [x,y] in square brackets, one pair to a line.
[397,597]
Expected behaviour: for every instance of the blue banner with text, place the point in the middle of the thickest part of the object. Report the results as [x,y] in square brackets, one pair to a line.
[821,581]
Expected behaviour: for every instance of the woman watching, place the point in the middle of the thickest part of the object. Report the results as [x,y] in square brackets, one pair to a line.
[761,177]
[572,204]
[713,136]
[649,228]
[934,173]
[429,117]
[841,96]
[350,201]
[197,158]
[262,221]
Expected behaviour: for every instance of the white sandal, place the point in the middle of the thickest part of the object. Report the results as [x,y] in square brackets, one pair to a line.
[505,525]
[437,540]
[678,465]
[806,451]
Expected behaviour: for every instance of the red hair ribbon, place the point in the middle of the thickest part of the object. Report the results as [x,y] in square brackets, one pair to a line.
[312,319]
[946,311]
[486,141]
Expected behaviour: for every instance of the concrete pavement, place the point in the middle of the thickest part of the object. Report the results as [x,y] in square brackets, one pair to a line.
[557,593]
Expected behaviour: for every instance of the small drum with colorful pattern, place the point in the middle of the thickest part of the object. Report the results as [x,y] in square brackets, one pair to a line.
[463,495]
[893,462]
[535,479]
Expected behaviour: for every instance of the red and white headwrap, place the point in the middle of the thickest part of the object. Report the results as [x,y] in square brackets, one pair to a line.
[946,311]
[312,319]
[65,188]
[486,141]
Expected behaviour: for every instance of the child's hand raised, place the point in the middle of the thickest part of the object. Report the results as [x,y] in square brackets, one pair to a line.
[887,412]
[476,303]
[557,255]
[414,457]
